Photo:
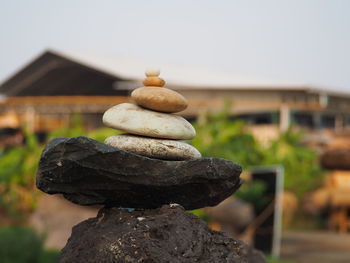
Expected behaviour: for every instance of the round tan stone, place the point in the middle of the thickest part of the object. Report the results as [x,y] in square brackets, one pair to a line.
[136,120]
[153,81]
[154,148]
[159,99]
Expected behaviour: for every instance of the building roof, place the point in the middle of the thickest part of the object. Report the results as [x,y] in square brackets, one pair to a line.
[121,69]
[180,76]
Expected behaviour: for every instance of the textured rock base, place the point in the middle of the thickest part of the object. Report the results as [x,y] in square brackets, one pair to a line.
[166,234]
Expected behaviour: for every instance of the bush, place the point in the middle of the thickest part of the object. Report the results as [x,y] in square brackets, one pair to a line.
[23,245]
[17,189]
[302,170]
[18,193]
[218,136]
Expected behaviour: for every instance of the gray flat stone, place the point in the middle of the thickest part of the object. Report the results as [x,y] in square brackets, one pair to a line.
[154,148]
[88,172]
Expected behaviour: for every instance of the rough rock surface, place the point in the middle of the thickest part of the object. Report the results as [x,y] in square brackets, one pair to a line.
[88,172]
[166,235]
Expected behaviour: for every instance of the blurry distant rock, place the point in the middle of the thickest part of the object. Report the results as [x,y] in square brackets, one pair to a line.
[167,234]
[316,202]
[87,172]
[336,159]
[54,216]
[233,214]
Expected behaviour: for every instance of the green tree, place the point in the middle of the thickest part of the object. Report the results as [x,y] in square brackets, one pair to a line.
[17,189]
[18,193]
[23,245]
[219,136]
[302,171]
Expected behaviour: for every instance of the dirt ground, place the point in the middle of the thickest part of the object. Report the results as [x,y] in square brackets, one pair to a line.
[316,247]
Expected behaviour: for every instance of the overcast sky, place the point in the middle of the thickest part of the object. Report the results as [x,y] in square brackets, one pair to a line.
[303,41]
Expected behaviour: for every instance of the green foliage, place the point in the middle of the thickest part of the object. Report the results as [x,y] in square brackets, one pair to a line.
[18,166]
[275,260]
[101,134]
[75,128]
[253,192]
[49,256]
[201,214]
[219,136]
[302,171]
[23,245]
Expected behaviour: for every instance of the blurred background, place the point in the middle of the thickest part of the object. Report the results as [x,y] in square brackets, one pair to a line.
[268,84]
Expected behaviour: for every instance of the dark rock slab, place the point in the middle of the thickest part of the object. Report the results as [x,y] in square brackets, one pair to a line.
[167,234]
[87,172]
[336,159]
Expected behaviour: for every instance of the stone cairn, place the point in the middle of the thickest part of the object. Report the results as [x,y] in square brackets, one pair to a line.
[150,118]
[153,174]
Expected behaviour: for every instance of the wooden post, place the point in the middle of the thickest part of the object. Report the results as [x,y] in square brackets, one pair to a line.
[317,120]
[284,117]
[30,119]
[339,123]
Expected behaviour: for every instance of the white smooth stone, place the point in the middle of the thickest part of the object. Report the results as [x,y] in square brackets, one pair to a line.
[136,120]
[154,148]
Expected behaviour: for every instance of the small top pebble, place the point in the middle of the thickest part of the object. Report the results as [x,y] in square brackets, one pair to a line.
[152,72]
[152,79]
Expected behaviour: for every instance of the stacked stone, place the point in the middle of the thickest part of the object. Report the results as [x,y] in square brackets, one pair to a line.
[152,129]
[88,172]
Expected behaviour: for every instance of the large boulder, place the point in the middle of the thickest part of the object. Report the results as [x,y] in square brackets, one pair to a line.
[88,172]
[166,234]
